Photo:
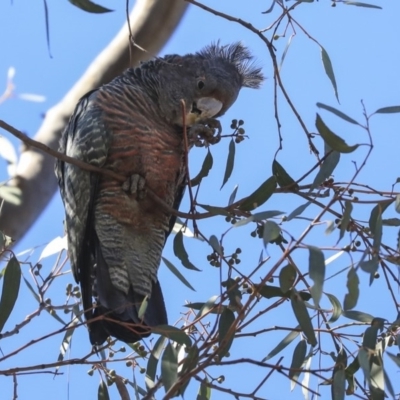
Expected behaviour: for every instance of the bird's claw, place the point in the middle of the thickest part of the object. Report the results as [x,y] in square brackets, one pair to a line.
[135,185]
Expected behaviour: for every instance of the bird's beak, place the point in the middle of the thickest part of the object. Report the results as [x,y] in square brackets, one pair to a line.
[205,107]
[208,107]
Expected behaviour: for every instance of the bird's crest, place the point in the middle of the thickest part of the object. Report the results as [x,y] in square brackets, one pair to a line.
[240,57]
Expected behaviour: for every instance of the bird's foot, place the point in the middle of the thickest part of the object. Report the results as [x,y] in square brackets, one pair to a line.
[135,185]
[203,133]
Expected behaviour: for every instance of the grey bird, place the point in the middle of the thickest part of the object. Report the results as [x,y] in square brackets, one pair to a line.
[134,127]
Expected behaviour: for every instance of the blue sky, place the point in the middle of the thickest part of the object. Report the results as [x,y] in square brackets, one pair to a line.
[363,46]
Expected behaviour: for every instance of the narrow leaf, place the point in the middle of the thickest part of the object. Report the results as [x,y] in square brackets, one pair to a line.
[169,367]
[204,392]
[260,196]
[388,110]
[225,334]
[334,141]
[287,277]
[143,307]
[285,50]
[358,4]
[261,216]
[297,211]
[339,385]
[282,344]
[337,113]
[102,392]
[299,355]
[348,208]
[232,197]
[173,333]
[181,253]
[316,269]
[282,177]
[326,61]
[176,272]
[377,211]
[271,231]
[215,244]
[337,308]
[229,162]
[151,369]
[358,315]
[9,293]
[301,314]
[205,169]
[89,6]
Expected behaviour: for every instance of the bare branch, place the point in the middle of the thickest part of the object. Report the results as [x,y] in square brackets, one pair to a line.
[152,23]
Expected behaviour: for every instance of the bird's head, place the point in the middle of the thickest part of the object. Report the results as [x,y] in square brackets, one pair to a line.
[208,81]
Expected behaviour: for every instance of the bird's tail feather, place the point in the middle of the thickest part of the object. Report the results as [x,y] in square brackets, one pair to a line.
[119,311]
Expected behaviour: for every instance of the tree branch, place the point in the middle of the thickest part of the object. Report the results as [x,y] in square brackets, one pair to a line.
[152,23]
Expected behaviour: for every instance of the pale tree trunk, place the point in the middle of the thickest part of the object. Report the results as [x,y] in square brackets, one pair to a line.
[152,23]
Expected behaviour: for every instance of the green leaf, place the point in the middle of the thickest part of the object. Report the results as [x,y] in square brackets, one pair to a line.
[328,166]
[143,307]
[371,267]
[229,162]
[358,4]
[9,293]
[207,306]
[11,194]
[287,277]
[363,359]
[299,355]
[388,110]
[214,242]
[370,336]
[271,231]
[377,212]
[339,385]
[337,308]
[189,363]
[181,253]
[102,392]
[261,216]
[232,197]
[316,269]
[169,367]
[65,344]
[334,141]
[215,210]
[351,298]
[204,392]
[301,314]
[337,113]
[225,334]
[282,344]
[173,333]
[260,196]
[348,208]
[205,170]
[269,292]
[358,315]
[282,177]
[326,61]
[89,6]
[297,211]
[285,50]
[154,357]
[175,271]
[391,222]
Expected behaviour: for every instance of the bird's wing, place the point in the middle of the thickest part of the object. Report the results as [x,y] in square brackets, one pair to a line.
[85,138]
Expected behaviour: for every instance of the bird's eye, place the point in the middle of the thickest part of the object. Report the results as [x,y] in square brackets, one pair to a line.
[200,84]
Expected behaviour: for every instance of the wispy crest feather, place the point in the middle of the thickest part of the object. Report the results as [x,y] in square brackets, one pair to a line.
[240,57]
